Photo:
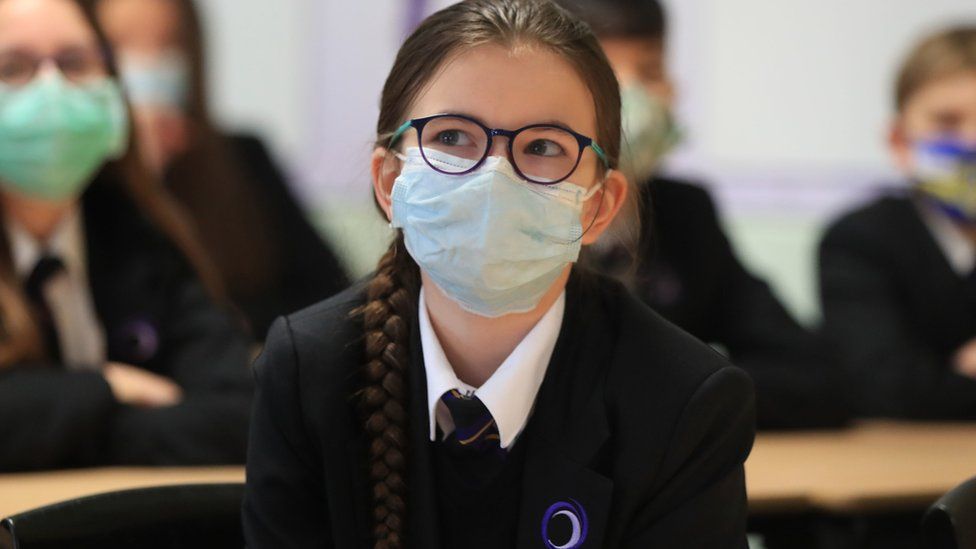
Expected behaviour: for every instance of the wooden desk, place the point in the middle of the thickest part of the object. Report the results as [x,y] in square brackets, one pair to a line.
[871,467]
[23,491]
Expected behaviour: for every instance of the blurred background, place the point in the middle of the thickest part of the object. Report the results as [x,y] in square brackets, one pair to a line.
[785,108]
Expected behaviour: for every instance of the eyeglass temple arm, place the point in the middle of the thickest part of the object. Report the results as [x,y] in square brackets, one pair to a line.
[600,152]
[399,131]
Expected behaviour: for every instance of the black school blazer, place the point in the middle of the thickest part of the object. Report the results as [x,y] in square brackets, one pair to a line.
[641,424]
[155,315]
[688,272]
[897,311]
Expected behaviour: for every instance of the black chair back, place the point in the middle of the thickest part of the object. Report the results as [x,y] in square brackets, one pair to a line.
[168,517]
[950,523]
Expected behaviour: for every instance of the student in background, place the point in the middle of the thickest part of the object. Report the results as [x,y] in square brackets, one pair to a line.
[270,257]
[897,276]
[685,266]
[111,351]
[478,390]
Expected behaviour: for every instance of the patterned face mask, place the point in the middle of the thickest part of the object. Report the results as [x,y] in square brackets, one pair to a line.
[945,172]
[649,132]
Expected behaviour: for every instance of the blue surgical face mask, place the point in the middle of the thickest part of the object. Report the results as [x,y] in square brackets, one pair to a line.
[493,242]
[156,81]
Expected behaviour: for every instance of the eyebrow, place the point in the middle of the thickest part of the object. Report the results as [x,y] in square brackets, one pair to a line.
[548,122]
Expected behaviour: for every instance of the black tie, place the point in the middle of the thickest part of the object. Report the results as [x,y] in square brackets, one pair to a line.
[47,266]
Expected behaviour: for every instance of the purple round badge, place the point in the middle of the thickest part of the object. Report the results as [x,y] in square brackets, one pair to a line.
[138,339]
[573,512]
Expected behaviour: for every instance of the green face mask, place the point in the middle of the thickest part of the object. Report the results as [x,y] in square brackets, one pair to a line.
[54,135]
[649,132]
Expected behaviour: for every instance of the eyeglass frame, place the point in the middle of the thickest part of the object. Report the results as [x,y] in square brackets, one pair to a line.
[582,140]
[97,53]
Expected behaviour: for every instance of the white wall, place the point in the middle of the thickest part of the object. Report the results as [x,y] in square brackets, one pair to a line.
[258,54]
[766,84]
[801,83]
[306,74]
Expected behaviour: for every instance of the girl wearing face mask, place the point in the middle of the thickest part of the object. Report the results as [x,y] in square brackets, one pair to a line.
[271,259]
[480,390]
[897,276]
[111,350]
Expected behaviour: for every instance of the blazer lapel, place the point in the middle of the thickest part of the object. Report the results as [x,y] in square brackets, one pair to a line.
[565,503]
[555,483]
[422,511]
[945,290]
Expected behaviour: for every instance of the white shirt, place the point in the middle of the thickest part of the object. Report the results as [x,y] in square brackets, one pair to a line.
[958,249]
[510,392]
[66,293]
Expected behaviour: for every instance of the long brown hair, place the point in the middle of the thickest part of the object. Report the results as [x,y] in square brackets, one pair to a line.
[392,292]
[208,181]
[20,338]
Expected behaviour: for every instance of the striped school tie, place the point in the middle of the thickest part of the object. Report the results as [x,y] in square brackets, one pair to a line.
[475,431]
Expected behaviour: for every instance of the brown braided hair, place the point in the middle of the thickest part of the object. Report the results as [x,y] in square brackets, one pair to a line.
[390,303]
[392,292]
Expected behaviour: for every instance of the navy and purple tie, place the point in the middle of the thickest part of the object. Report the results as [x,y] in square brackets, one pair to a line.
[475,431]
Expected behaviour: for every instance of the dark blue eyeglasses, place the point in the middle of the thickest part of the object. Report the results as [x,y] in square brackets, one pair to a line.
[455,144]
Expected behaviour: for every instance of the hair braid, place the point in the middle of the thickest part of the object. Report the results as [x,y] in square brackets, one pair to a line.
[390,303]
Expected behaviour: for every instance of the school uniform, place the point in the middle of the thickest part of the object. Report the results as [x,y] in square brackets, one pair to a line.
[304,268]
[637,433]
[687,271]
[145,308]
[899,299]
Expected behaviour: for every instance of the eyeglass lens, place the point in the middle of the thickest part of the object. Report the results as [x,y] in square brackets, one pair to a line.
[77,64]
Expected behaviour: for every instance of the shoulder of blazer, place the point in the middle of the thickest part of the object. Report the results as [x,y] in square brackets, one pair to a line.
[328,328]
[321,347]
[678,189]
[125,251]
[659,368]
[261,170]
[891,217]
[111,216]
[674,211]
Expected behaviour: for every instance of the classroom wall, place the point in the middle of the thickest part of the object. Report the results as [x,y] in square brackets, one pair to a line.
[821,71]
[785,106]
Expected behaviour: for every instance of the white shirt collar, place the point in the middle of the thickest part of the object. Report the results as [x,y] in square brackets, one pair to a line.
[510,392]
[67,243]
[958,249]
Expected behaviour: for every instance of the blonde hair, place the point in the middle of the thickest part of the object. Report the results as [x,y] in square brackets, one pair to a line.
[948,52]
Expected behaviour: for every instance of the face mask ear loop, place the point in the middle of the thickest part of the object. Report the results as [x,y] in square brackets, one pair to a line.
[402,158]
[599,206]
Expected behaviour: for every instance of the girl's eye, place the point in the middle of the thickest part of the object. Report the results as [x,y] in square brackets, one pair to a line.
[16,69]
[947,121]
[544,147]
[453,138]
